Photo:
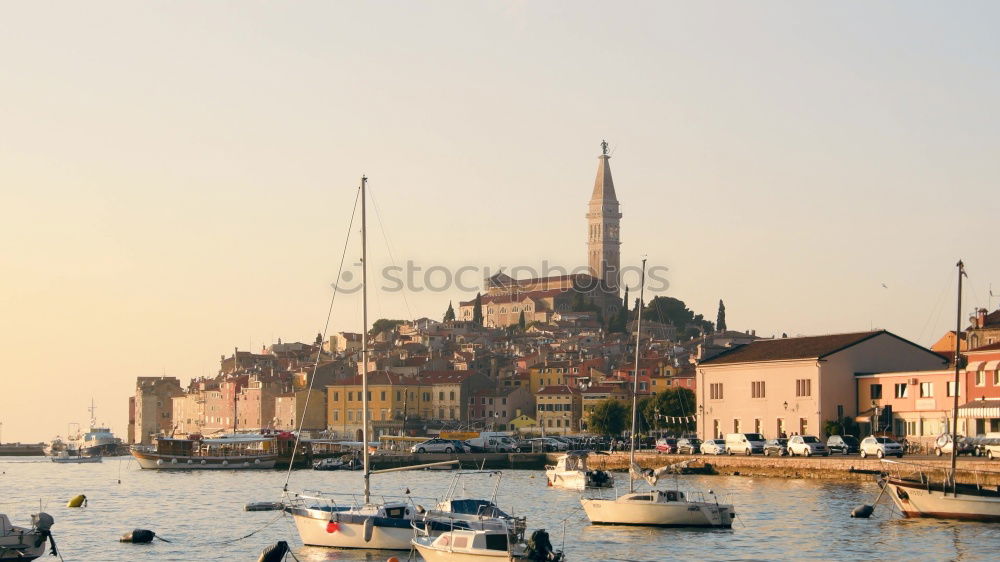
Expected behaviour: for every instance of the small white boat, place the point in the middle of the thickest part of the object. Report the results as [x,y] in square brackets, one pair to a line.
[482,546]
[73,457]
[22,543]
[571,472]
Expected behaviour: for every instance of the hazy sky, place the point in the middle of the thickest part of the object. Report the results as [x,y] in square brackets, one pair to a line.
[176,178]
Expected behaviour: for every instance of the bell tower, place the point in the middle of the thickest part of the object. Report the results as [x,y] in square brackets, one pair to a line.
[603,221]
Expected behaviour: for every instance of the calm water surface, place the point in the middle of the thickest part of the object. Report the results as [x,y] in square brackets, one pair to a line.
[200,512]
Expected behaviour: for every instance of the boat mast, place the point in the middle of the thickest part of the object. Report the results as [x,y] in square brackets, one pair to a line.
[364,343]
[635,375]
[958,357]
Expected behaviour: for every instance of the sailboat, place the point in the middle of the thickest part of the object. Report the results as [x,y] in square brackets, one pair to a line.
[915,489]
[655,508]
[322,519]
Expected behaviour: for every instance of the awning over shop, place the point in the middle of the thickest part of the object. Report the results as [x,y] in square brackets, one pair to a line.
[973,366]
[866,416]
[980,409]
[992,365]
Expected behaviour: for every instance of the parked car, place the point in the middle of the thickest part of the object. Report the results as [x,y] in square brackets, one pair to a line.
[437,445]
[713,447]
[942,445]
[547,444]
[844,444]
[776,447]
[745,443]
[689,446]
[880,447]
[666,445]
[807,446]
[988,447]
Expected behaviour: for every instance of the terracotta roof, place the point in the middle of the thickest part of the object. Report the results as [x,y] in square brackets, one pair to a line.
[444,377]
[810,347]
[557,390]
[375,378]
[602,388]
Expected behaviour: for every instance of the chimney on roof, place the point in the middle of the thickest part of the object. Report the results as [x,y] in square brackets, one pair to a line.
[981,317]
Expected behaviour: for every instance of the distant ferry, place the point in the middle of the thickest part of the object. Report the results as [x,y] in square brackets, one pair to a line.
[227,452]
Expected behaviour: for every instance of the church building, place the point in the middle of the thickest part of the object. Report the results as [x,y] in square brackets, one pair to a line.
[541,298]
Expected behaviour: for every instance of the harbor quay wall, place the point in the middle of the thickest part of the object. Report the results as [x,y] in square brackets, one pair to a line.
[844,468]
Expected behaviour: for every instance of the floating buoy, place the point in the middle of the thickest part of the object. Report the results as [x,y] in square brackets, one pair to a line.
[274,553]
[77,501]
[138,536]
[332,527]
[392,559]
[862,511]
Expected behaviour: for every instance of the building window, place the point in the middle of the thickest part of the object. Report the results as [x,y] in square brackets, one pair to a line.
[980,378]
[926,389]
[756,425]
[715,391]
[441,395]
[951,389]
[876,390]
[736,426]
[398,395]
[902,390]
[381,396]
[350,415]
[452,395]
[350,396]
[757,390]
[803,387]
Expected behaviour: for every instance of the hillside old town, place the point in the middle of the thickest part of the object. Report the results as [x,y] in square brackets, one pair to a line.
[538,356]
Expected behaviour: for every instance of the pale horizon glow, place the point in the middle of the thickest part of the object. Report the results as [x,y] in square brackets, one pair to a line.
[176,178]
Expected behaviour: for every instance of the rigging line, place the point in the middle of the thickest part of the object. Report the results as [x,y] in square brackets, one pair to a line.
[935,312]
[388,248]
[973,292]
[319,351]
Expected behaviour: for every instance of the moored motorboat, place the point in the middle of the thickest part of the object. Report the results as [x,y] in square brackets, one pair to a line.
[72,456]
[229,452]
[571,472]
[478,545]
[24,543]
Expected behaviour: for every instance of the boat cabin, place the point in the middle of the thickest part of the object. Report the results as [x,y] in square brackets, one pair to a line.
[655,496]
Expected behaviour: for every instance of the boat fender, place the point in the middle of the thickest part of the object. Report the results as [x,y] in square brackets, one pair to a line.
[138,536]
[862,511]
[392,559]
[77,501]
[369,528]
[274,553]
[332,527]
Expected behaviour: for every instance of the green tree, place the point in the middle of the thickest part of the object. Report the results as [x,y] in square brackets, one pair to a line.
[477,310]
[521,322]
[668,310]
[382,325]
[720,320]
[609,417]
[673,402]
[449,314]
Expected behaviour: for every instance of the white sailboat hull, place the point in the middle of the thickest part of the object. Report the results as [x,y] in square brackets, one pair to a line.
[671,514]
[313,530]
[917,500]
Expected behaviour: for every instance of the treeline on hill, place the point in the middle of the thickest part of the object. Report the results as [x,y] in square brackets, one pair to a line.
[665,310]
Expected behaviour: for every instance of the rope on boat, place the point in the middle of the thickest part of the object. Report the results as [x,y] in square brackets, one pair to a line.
[251,533]
[319,352]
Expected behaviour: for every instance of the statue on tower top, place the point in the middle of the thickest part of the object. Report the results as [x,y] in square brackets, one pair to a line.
[604,147]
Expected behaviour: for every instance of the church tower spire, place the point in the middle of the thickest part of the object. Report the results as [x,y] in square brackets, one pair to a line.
[603,221]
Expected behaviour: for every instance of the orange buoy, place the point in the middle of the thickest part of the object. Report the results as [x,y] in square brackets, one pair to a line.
[392,559]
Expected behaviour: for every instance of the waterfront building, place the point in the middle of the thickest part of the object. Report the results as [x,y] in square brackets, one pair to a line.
[593,395]
[559,409]
[795,385]
[985,328]
[153,408]
[390,396]
[290,407]
[496,407]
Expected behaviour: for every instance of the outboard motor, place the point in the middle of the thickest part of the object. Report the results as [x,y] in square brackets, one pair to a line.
[274,553]
[540,547]
[42,522]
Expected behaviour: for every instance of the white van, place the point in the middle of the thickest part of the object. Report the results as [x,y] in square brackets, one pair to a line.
[745,443]
[493,441]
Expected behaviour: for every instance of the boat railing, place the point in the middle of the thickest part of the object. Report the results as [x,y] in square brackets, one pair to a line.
[349,500]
